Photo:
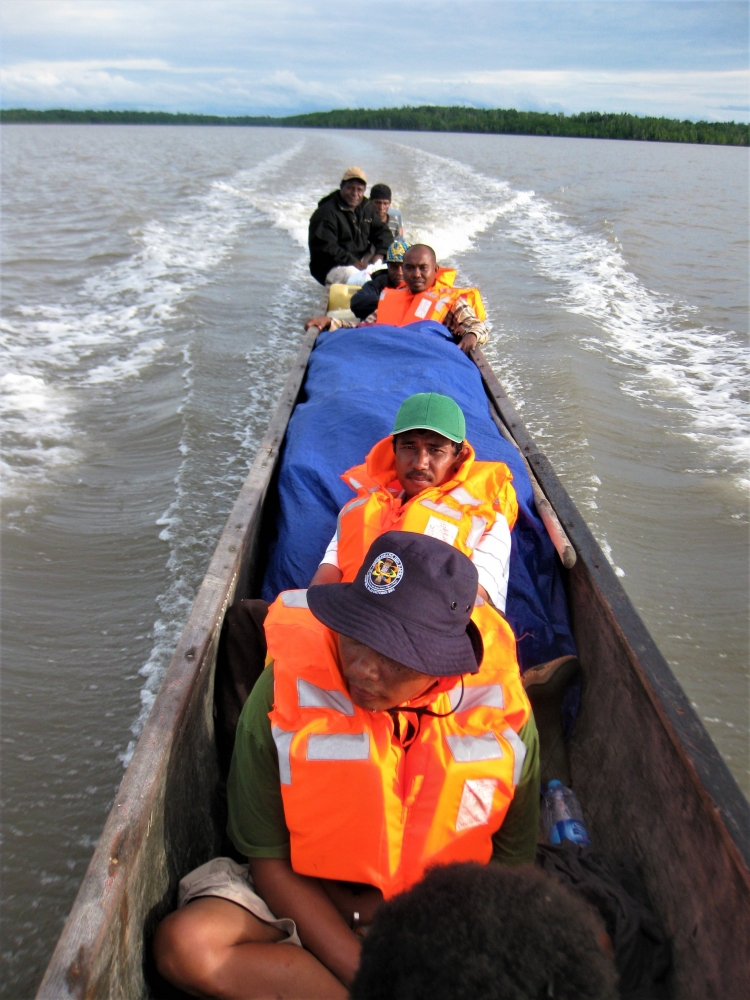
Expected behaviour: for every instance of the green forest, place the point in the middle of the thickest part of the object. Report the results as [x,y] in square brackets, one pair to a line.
[588,124]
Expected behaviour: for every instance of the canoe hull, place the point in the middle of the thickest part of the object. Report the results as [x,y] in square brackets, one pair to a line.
[641,762]
[635,758]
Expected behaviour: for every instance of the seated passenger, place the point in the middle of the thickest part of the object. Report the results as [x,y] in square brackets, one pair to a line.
[466,933]
[382,739]
[427,293]
[380,199]
[425,478]
[365,301]
[345,233]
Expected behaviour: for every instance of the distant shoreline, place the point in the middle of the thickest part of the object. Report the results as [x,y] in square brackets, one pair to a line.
[587,125]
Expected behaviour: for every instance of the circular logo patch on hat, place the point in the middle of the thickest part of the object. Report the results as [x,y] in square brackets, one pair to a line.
[385,574]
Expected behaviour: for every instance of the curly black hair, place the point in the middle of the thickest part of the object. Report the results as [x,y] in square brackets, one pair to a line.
[484,932]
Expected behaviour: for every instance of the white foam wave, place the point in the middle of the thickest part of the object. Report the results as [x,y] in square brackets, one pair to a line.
[287,210]
[175,601]
[667,356]
[115,326]
[453,203]
[181,522]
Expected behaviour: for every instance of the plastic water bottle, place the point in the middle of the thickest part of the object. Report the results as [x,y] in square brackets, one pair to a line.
[563,816]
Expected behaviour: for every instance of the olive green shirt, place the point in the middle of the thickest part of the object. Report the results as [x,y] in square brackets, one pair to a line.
[257,826]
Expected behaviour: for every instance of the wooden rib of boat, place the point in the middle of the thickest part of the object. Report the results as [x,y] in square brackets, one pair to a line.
[653,786]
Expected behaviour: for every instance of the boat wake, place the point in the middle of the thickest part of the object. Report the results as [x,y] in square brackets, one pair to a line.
[668,358]
[113,327]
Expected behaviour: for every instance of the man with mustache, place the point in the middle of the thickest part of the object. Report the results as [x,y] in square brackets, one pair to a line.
[425,478]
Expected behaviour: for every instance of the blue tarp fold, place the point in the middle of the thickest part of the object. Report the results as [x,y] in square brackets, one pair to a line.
[355,383]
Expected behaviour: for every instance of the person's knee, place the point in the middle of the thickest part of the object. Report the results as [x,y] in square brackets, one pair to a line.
[184,953]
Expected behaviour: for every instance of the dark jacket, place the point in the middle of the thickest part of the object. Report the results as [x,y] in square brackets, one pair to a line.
[367,298]
[339,236]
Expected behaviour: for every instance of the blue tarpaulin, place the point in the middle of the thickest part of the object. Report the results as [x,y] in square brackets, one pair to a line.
[356,381]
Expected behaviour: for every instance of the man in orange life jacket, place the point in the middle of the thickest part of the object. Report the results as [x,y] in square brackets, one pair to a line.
[427,293]
[383,738]
[425,478]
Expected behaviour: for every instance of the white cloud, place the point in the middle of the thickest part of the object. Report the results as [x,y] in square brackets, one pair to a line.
[685,60]
[146,84]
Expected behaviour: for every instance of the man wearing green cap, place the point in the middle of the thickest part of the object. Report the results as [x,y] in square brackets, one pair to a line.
[425,478]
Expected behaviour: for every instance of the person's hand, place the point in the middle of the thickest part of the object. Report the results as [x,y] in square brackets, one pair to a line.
[467,343]
[322,322]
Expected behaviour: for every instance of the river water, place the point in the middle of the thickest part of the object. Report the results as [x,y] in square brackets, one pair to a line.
[154,287]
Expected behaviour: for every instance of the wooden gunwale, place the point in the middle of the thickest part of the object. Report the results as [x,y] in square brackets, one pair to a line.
[142,852]
[655,790]
[89,959]
[687,732]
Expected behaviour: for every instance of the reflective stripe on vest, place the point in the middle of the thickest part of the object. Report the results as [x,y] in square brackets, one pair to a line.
[311,696]
[466,749]
[489,695]
[459,512]
[360,807]
[294,598]
[339,746]
[399,306]
[283,741]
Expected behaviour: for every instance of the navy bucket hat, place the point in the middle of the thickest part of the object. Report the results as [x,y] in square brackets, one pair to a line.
[412,601]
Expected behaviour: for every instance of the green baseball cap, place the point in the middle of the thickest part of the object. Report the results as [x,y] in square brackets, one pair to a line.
[432,412]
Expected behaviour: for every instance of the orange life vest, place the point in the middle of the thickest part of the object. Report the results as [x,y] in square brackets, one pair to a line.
[359,806]
[445,277]
[458,512]
[399,306]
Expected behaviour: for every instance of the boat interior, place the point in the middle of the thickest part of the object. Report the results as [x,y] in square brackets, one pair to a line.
[655,792]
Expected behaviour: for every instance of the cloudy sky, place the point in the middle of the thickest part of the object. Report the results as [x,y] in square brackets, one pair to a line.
[680,58]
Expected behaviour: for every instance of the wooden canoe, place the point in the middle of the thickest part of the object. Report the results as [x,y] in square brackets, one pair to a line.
[653,786]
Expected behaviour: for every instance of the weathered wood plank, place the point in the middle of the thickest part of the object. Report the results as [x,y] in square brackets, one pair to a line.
[712,780]
[545,509]
[655,789]
[163,821]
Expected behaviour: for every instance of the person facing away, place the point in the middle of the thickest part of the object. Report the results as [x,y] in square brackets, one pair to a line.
[345,231]
[428,292]
[424,477]
[365,302]
[471,933]
[382,738]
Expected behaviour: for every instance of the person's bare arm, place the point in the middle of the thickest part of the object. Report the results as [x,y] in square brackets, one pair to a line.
[321,927]
[326,573]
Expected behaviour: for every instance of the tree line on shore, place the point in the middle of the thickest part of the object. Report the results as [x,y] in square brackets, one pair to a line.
[588,124]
